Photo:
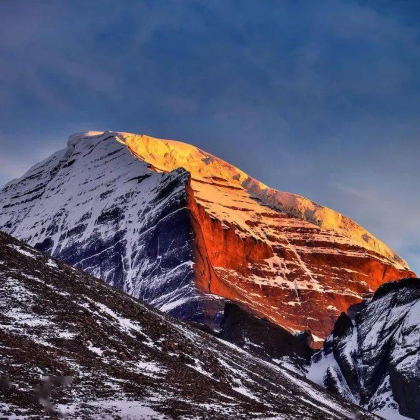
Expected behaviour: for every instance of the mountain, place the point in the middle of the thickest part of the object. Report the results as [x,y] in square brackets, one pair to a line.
[183,230]
[374,359]
[72,345]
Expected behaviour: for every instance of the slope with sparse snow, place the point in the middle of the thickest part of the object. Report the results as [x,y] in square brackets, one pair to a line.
[70,344]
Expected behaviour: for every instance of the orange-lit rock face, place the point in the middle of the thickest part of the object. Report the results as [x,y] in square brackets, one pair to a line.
[301,278]
[286,258]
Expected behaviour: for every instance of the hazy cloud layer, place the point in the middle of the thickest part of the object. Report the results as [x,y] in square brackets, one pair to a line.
[318,98]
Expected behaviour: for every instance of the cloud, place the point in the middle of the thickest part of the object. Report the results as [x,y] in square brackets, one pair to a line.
[394,217]
[14,164]
[359,194]
[11,167]
[413,259]
[179,104]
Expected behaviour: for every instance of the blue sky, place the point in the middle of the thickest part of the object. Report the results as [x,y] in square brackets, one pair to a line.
[320,98]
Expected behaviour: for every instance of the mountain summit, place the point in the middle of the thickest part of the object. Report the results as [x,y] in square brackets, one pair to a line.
[183,230]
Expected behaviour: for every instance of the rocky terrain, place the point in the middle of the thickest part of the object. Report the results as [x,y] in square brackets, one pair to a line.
[374,359]
[183,230]
[72,346]
[265,339]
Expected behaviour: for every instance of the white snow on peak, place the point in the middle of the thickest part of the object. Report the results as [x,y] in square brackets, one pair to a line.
[75,138]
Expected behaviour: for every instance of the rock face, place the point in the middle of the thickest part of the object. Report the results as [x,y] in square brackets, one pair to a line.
[71,344]
[179,228]
[374,359]
[264,338]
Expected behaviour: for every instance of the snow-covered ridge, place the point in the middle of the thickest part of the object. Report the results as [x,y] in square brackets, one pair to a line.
[97,208]
[75,138]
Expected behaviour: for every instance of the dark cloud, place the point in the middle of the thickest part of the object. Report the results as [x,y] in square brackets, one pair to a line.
[318,98]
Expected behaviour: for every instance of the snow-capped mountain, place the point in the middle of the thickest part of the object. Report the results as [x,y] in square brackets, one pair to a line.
[181,229]
[70,344]
[374,359]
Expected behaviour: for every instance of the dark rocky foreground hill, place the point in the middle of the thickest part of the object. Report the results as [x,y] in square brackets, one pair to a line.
[71,344]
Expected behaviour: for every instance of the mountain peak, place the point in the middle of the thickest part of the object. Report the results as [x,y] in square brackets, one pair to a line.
[168,155]
[76,137]
[116,205]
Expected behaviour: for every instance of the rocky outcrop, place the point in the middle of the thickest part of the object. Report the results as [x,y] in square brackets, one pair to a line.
[183,230]
[70,344]
[264,338]
[374,359]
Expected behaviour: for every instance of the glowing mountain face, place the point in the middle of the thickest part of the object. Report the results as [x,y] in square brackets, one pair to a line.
[121,207]
[167,155]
